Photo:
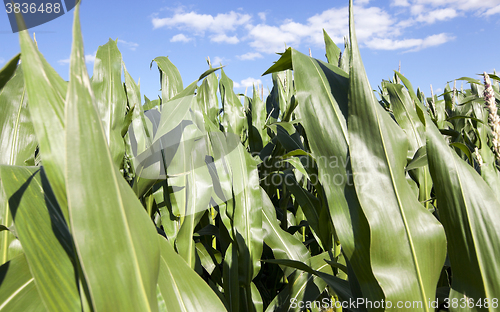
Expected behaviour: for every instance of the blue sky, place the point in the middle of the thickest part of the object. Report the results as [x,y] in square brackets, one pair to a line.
[435,40]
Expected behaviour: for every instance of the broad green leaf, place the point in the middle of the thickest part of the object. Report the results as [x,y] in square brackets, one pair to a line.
[247,215]
[110,97]
[312,208]
[230,278]
[8,70]
[17,143]
[346,56]
[44,235]
[322,111]
[405,113]
[18,291]
[419,159]
[46,92]
[233,118]
[332,51]
[181,287]
[469,211]
[283,244]
[17,136]
[170,78]
[284,63]
[195,189]
[207,97]
[121,270]
[408,246]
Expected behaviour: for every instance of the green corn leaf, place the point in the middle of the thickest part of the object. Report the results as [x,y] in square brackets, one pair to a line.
[332,50]
[8,70]
[230,278]
[170,78]
[283,244]
[407,118]
[46,92]
[207,97]
[469,211]
[339,286]
[17,142]
[322,111]
[110,97]
[44,235]
[121,270]
[183,289]
[303,287]
[233,118]
[18,291]
[17,136]
[406,240]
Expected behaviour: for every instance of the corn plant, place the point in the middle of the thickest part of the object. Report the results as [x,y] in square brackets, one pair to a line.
[320,197]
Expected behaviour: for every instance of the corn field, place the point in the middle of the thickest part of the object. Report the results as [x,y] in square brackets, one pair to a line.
[325,196]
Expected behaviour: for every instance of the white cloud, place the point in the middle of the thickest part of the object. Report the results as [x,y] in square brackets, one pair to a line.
[408,44]
[89,58]
[403,3]
[376,27]
[199,23]
[2,60]
[180,38]
[224,38]
[370,22]
[492,11]
[271,39]
[427,6]
[216,61]
[250,82]
[131,45]
[250,56]
[437,15]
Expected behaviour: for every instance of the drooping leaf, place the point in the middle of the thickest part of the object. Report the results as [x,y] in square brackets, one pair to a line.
[170,78]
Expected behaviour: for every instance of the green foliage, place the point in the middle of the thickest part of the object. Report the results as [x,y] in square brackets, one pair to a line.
[206,200]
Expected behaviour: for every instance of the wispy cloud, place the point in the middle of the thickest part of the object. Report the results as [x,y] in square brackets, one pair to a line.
[216,61]
[480,7]
[198,24]
[131,45]
[224,38]
[376,27]
[247,83]
[250,56]
[2,60]
[180,38]
[89,59]
[409,44]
